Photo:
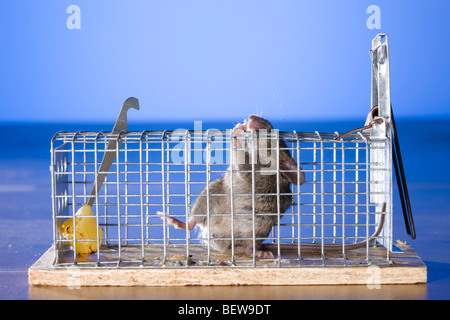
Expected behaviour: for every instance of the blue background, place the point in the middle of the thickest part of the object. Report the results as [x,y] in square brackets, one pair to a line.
[221,60]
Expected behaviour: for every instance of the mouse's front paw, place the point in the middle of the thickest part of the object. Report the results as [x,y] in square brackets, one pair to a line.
[238,131]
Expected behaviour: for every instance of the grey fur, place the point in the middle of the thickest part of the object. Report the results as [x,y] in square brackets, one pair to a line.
[266,206]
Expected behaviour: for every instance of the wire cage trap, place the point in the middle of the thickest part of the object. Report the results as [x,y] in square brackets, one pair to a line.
[338,203]
[341,215]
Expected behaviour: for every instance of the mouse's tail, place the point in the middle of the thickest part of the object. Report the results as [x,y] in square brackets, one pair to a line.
[338,247]
[177,223]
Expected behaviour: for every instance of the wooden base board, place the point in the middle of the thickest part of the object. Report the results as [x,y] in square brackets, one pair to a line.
[406,268]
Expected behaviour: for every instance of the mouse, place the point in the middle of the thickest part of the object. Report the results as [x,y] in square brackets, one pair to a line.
[254,148]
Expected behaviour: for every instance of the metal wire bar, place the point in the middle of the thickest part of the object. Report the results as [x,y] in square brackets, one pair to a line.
[233,258]
[164,205]
[278,199]
[253,159]
[187,153]
[208,209]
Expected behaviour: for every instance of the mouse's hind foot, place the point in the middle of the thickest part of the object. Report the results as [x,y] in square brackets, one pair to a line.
[260,252]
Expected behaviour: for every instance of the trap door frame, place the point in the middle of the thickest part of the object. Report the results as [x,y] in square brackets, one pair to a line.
[381,136]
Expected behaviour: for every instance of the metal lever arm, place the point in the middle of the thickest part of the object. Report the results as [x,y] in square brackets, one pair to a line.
[401,181]
[113,145]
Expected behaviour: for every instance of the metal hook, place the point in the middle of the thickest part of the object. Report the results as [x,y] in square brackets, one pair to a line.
[113,145]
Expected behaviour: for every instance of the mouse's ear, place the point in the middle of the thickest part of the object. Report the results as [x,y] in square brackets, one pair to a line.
[290,170]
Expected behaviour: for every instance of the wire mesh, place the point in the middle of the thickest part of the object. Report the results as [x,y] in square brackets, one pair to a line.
[347,182]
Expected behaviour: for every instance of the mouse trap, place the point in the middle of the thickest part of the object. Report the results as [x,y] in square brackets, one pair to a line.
[108,188]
